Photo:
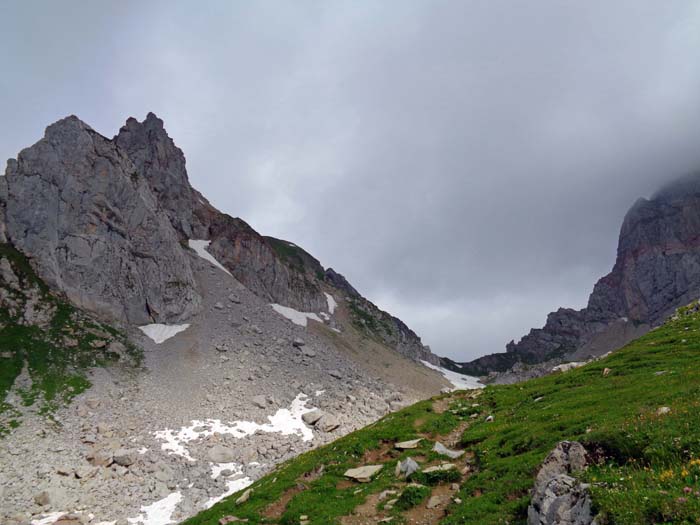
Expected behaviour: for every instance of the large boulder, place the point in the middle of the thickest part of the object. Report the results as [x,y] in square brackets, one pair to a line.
[559,498]
[79,209]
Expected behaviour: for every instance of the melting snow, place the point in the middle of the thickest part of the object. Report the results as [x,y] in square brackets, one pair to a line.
[285,421]
[331,302]
[459,381]
[201,248]
[232,486]
[159,512]
[48,518]
[295,316]
[162,332]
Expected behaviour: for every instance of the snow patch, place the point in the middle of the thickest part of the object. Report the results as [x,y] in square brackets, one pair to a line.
[295,316]
[565,367]
[325,316]
[200,247]
[162,332]
[48,518]
[285,421]
[159,512]
[332,305]
[218,468]
[459,381]
[143,450]
[232,486]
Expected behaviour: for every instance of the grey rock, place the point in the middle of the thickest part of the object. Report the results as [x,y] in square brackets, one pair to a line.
[557,496]
[298,342]
[221,454]
[406,467]
[94,231]
[310,418]
[125,457]
[363,474]
[259,401]
[327,423]
[443,450]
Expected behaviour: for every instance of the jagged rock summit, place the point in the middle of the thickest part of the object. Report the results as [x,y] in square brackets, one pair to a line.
[110,221]
[657,270]
[76,205]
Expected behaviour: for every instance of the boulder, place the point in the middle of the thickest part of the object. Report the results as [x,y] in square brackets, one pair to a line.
[443,450]
[557,496]
[221,454]
[405,445]
[363,474]
[406,467]
[259,401]
[310,418]
[125,457]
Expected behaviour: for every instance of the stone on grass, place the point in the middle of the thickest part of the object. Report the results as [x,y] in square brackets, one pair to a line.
[363,474]
[442,449]
[440,468]
[406,467]
[405,445]
[433,502]
[244,497]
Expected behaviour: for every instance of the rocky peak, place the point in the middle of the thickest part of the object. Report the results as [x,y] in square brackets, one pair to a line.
[162,163]
[94,230]
[657,269]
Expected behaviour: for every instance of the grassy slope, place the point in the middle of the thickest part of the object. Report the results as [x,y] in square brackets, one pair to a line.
[58,372]
[651,470]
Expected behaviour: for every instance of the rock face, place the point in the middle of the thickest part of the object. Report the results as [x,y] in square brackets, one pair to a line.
[93,229]
[656,271]
[110,220]
[558,498]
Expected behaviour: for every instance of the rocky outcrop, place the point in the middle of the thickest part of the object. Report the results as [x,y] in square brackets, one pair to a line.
[162,164]
[558,498]
[76,205]
[657,269]
[109,225]
[275,269]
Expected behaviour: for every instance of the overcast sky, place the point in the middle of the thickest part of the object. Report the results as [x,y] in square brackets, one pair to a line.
[465,164]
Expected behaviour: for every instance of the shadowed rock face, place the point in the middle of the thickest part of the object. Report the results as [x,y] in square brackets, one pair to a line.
[76,205]
[657,270]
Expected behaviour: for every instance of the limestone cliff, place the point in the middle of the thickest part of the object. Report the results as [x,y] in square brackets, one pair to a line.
[657,270]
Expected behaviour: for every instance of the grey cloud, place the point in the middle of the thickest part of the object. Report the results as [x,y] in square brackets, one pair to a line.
[465,164]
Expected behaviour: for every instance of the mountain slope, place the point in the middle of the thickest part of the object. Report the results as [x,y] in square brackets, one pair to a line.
[635,412]
[111,219]
[657,270]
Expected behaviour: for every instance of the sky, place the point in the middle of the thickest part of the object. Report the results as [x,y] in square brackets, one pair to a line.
[466,165]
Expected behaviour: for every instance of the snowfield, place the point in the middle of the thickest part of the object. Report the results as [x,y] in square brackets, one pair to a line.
[459,381]
[200,247]
[162,332]
[295,316]
[285,421]
[332,305]
[159,512]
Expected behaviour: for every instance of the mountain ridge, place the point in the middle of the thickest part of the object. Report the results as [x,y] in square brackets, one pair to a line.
[656,270]
[150,172]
